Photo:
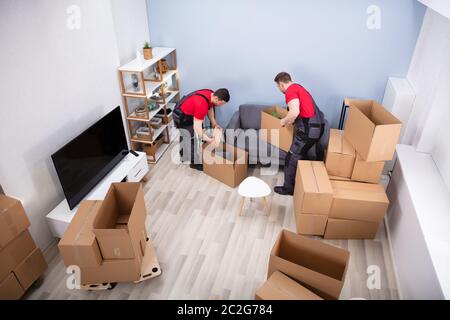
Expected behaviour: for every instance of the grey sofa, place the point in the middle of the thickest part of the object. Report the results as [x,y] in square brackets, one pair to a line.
[248,118]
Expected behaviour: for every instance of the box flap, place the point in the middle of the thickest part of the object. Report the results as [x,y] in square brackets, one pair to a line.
[281,287]
[314,177]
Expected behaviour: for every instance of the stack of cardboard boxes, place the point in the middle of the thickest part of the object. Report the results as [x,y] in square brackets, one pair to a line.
[304,269]
[21,261]
[343,198]
[108,241]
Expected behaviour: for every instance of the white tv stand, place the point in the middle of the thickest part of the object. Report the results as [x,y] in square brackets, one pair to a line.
[130,169]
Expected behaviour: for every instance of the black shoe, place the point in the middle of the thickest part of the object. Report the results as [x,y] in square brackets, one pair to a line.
[283,191]
[198,167]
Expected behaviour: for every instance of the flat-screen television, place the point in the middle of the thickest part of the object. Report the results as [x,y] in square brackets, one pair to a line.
[88,158]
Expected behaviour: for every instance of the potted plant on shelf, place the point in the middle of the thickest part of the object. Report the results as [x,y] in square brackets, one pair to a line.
[148,51]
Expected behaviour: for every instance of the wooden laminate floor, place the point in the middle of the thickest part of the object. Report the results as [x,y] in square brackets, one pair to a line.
[207,251]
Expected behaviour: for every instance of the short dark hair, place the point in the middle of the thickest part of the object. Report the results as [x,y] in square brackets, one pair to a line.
[223,95]
[283,77]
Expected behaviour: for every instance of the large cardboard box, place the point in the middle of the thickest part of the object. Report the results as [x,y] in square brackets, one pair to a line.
[29,270]
[340,158]
[10,288]
[317,266]
[111,271]
[13,219]
[358,201]
[281,287]
[369,172]
[15,252]
[226,163]
[124,270]
[372,130]
[278,136]
[311,224]
[351,229]
[120,222]
[313,193]
[78,246]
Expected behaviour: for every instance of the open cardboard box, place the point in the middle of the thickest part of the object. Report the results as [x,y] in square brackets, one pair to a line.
[372,130]
[227,163]
[278,136]
[281,287]
[120,222]
[340,158]
[317,266]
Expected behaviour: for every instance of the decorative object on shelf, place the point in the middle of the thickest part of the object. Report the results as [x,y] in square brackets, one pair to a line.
[148,51]
[152,105]
[158,97]
[135,82]
[166,118]
[156,123]
[164,66]
[140,112]
[145,133]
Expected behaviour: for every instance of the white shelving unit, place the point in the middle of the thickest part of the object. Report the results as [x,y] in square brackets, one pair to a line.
[151,83]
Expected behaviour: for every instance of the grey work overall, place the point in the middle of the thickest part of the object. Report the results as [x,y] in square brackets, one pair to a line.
[186,122]
[308,132]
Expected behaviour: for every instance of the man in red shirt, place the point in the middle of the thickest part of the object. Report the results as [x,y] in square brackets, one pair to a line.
[309,124]
[190,113]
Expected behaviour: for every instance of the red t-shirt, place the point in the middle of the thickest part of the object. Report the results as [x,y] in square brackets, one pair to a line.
[296,91]
[197,106]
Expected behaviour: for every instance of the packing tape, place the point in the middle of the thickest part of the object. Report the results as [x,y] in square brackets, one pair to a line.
[315,177]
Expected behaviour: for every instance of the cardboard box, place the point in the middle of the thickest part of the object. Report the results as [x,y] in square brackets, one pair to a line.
[15,252]
[281,287]
[317,266]
[340,158]
[227,164]
[10,288]
[372,130]
[311,224]
[13,219]
[313,193]
[29,270]
[78,246]
[119,224]
[351,229]
[112,271]
[369,172]
[270,123]
[358,201]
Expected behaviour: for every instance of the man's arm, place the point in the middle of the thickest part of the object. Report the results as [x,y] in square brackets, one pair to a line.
[212,118]
[198,128]
[294,111]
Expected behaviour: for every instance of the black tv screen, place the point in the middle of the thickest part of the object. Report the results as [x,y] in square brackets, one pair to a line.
[88,158]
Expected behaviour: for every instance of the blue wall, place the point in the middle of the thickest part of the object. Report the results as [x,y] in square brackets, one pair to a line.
[324,44]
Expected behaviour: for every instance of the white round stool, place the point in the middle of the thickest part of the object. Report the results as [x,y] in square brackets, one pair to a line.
[254,188]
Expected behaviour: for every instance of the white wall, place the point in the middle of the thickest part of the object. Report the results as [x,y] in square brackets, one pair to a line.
[441,6]
[429,75]
[131,27]
[54,83]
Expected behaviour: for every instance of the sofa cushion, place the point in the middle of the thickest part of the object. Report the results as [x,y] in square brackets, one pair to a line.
[250,116]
